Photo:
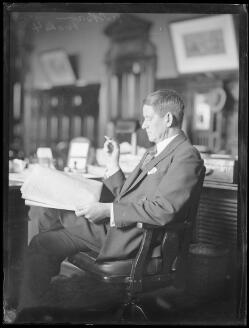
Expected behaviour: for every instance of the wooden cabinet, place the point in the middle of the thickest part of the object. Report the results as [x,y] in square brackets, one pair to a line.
[131,66]
[217,222]
[217,215]
[60,114]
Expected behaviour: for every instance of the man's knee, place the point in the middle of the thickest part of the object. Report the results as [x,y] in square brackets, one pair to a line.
[37,212]
[34,244]
[54,244]
[40,243]
[47,218]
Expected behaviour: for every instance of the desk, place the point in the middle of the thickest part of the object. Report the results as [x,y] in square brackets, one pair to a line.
[217,220]
[217,214]
[15,231]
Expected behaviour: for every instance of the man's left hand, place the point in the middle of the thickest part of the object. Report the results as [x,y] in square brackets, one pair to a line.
[95,212]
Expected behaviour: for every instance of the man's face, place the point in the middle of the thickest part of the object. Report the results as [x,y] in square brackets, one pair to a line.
[154,124]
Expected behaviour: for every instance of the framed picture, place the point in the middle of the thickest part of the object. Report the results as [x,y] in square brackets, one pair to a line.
[205,44]
[57,67]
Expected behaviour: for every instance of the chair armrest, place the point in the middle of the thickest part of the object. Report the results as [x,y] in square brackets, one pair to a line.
[139,264]
[174,226]
[170,244]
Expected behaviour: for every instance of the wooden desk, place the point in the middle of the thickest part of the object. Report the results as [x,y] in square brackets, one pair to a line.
[217,214]
[15,231]
[216,221]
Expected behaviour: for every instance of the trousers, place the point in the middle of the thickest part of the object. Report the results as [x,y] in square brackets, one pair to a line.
[50,247]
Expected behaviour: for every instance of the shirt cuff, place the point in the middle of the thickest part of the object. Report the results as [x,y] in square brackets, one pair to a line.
[112,222]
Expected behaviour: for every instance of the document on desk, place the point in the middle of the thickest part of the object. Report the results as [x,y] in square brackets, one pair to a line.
[19,177]
[47,187]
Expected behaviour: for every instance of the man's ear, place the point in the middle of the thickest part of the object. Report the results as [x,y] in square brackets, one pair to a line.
[169,119]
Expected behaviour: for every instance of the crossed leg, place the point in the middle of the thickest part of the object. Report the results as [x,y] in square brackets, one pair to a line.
[50,247]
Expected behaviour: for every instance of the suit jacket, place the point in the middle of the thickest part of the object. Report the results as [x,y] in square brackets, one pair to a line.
[159,195]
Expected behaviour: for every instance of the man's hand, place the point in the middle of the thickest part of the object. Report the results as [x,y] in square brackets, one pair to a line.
[95,212]
[112,150]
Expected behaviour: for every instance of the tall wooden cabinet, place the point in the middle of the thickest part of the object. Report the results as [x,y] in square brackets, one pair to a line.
[131,66]
[60,114]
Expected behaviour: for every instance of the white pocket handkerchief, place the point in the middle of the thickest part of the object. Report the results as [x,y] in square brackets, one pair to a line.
[153,170]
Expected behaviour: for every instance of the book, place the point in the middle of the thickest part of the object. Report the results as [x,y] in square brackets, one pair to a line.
[47,187]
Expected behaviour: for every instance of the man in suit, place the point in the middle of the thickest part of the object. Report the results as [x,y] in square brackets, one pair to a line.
[157,192]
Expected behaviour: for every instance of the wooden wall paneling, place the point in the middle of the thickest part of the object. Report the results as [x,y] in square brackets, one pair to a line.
[35,105]
[48,115]
[217,223]
[69,112]
[118,112]
[217,217]
[113,95]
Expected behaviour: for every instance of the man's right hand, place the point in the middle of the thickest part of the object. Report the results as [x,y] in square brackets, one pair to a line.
[112,150]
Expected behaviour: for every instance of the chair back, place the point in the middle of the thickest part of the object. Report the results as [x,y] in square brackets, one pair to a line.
[176,241]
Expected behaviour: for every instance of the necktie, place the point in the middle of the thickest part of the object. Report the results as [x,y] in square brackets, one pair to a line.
[150,155]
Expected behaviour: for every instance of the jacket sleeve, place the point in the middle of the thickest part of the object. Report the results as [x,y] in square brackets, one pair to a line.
[115,182]
[172,194]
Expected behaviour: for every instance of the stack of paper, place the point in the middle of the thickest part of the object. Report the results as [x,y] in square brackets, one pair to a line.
[56,189]
[19,177]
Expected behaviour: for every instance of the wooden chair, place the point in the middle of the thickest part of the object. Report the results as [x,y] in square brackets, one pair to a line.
[155,265]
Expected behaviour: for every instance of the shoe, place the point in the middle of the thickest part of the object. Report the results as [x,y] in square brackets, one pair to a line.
[10,315]
[35,315]
[47,318]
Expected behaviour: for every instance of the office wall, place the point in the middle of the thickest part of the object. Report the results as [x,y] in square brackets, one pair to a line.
[81,34]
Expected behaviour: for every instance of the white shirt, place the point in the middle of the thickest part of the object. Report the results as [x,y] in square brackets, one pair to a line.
[160,146]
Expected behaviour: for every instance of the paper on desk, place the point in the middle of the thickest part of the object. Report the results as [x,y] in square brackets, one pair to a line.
[19,177]
[52,188]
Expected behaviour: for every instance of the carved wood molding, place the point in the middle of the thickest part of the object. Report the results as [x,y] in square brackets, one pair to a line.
[128,26]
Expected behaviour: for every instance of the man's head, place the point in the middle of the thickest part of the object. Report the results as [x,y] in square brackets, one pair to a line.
[163,113]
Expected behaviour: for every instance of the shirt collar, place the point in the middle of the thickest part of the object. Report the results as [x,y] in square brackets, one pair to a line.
[163,144]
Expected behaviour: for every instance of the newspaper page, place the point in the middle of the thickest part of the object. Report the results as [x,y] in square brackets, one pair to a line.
[56,189]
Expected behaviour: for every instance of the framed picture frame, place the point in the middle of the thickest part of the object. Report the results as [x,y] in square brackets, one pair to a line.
[205,44]
[57,67]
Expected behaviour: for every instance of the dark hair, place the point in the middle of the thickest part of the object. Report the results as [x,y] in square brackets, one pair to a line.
[166,100]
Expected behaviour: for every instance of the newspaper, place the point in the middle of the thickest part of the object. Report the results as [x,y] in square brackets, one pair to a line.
[47,187]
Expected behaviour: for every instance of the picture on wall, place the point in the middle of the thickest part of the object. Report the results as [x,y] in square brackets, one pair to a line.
[57,67]
[205,44]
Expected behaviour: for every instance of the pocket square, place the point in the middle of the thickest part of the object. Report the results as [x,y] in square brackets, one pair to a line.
[153,170]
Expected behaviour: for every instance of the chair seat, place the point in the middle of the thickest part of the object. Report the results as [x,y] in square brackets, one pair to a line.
[119,268]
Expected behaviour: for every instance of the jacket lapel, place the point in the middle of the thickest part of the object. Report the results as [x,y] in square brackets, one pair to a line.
[135,178]
[131,178]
